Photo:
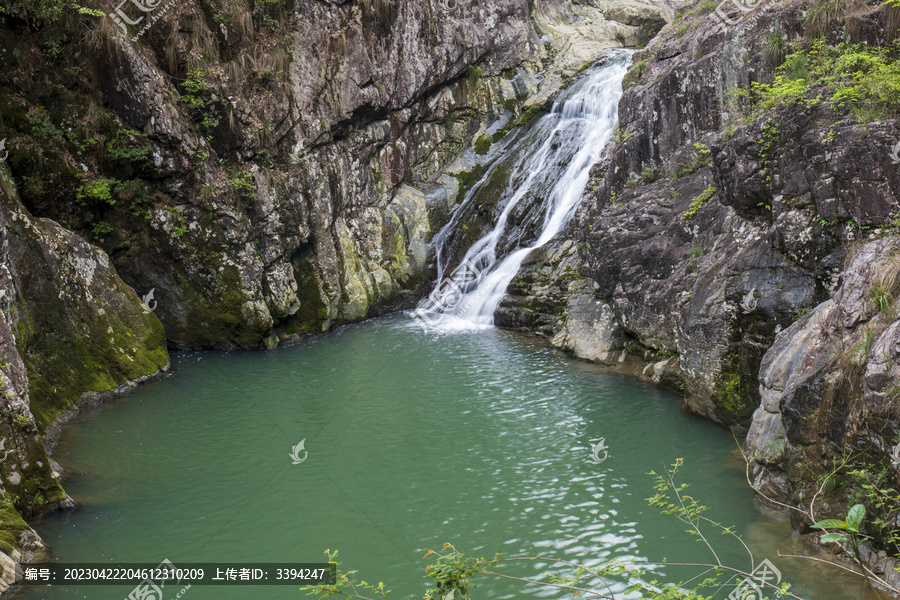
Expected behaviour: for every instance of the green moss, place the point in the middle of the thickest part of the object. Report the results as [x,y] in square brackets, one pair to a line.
[483,145]
[64,364]
[38,488]
[733,394]
[501,133]
[14,115]
[476,72]
[467,179]
[217,321]
[11,525]
[728,392]
[634,74]
[531,113]
[76,342]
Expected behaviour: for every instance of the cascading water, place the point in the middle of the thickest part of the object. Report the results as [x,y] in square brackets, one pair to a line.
[553,165]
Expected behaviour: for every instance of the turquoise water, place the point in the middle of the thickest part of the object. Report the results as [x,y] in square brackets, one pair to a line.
[480,439]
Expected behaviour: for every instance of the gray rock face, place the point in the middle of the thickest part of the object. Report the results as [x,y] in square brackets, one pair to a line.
[847,337]
[295,205]
[829,391]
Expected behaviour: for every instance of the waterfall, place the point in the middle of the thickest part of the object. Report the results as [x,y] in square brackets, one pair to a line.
[550,164]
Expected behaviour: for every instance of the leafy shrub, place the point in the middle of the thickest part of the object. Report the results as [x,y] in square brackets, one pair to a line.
[770,135]
[130,147]
[860,78]
[46,12]
[697,203]
[96,191]
[703,158]
[242,184]
[101,228]
[198,98]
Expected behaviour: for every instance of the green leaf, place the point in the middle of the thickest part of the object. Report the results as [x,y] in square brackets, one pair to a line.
[830,524]
[833,537]
[855,517]
[90,11]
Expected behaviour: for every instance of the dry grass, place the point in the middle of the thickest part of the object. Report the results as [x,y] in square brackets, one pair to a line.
[171,47]
[243,24]
[101,36]
[885,286]
[263,136]
[823,15]
[380,12]
[232,118]
[234,72]
[204,48]
[258,63]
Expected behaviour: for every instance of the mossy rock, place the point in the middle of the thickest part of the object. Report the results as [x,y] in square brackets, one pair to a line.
[215,318]
[79,328]
[11,525]
[483,145]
